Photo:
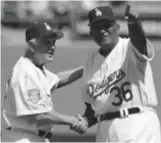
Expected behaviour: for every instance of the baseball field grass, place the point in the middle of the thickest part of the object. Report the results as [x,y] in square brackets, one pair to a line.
[68,99]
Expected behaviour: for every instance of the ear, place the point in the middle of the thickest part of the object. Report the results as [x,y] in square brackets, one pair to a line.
[117,28]
[32,44]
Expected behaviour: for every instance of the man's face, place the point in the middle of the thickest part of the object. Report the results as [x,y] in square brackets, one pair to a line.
[104,33]
[45,49]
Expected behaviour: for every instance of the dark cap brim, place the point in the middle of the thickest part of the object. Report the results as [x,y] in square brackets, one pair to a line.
[103,18]
[54,34]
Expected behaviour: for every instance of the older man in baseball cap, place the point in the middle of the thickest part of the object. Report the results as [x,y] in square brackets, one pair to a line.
[118,89]
[29,115]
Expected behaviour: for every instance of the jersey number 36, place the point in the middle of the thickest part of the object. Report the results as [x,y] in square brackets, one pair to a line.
[121,94]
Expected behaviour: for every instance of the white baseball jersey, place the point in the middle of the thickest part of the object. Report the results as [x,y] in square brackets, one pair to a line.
[30,94]
[122,79]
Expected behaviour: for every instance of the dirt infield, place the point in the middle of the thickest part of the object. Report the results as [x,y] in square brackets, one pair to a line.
[68,99]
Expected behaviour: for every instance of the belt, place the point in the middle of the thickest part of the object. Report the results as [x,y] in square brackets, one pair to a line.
[122,113]
[44,134]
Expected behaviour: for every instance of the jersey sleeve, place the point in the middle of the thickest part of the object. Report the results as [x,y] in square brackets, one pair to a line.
[28,96]
[141,57]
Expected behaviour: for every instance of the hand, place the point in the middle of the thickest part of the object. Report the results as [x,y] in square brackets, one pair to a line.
[82,126]
[129,16]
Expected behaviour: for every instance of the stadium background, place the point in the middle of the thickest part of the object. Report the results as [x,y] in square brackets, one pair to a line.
[74,49]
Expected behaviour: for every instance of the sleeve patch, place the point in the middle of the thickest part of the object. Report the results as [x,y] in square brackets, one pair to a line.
[34,96]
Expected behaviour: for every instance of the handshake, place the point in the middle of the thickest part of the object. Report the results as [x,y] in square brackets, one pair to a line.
[76,123]
[79,124]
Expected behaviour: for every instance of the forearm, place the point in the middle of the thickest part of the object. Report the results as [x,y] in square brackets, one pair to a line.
[57,118]
[137,36]
[53,118]
[70,76]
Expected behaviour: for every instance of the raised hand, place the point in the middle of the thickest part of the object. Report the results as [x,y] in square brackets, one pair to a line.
[82,126]
[130,16]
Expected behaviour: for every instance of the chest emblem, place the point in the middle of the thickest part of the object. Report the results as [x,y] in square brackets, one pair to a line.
[95,90]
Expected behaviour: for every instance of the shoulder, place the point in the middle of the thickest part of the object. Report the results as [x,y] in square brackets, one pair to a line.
[21,70]
[124,41]
[18,75]
[122,46]
[22,64]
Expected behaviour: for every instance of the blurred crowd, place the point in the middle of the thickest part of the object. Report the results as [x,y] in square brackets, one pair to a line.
[73,14]
[57,12]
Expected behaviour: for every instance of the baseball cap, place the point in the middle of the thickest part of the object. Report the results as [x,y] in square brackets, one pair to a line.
[101,13]
[41,30]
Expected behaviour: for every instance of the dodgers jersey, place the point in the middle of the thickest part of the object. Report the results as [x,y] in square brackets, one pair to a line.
[29,93]
[122,79]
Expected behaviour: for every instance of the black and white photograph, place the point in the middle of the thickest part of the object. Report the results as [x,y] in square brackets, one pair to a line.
[80,71]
